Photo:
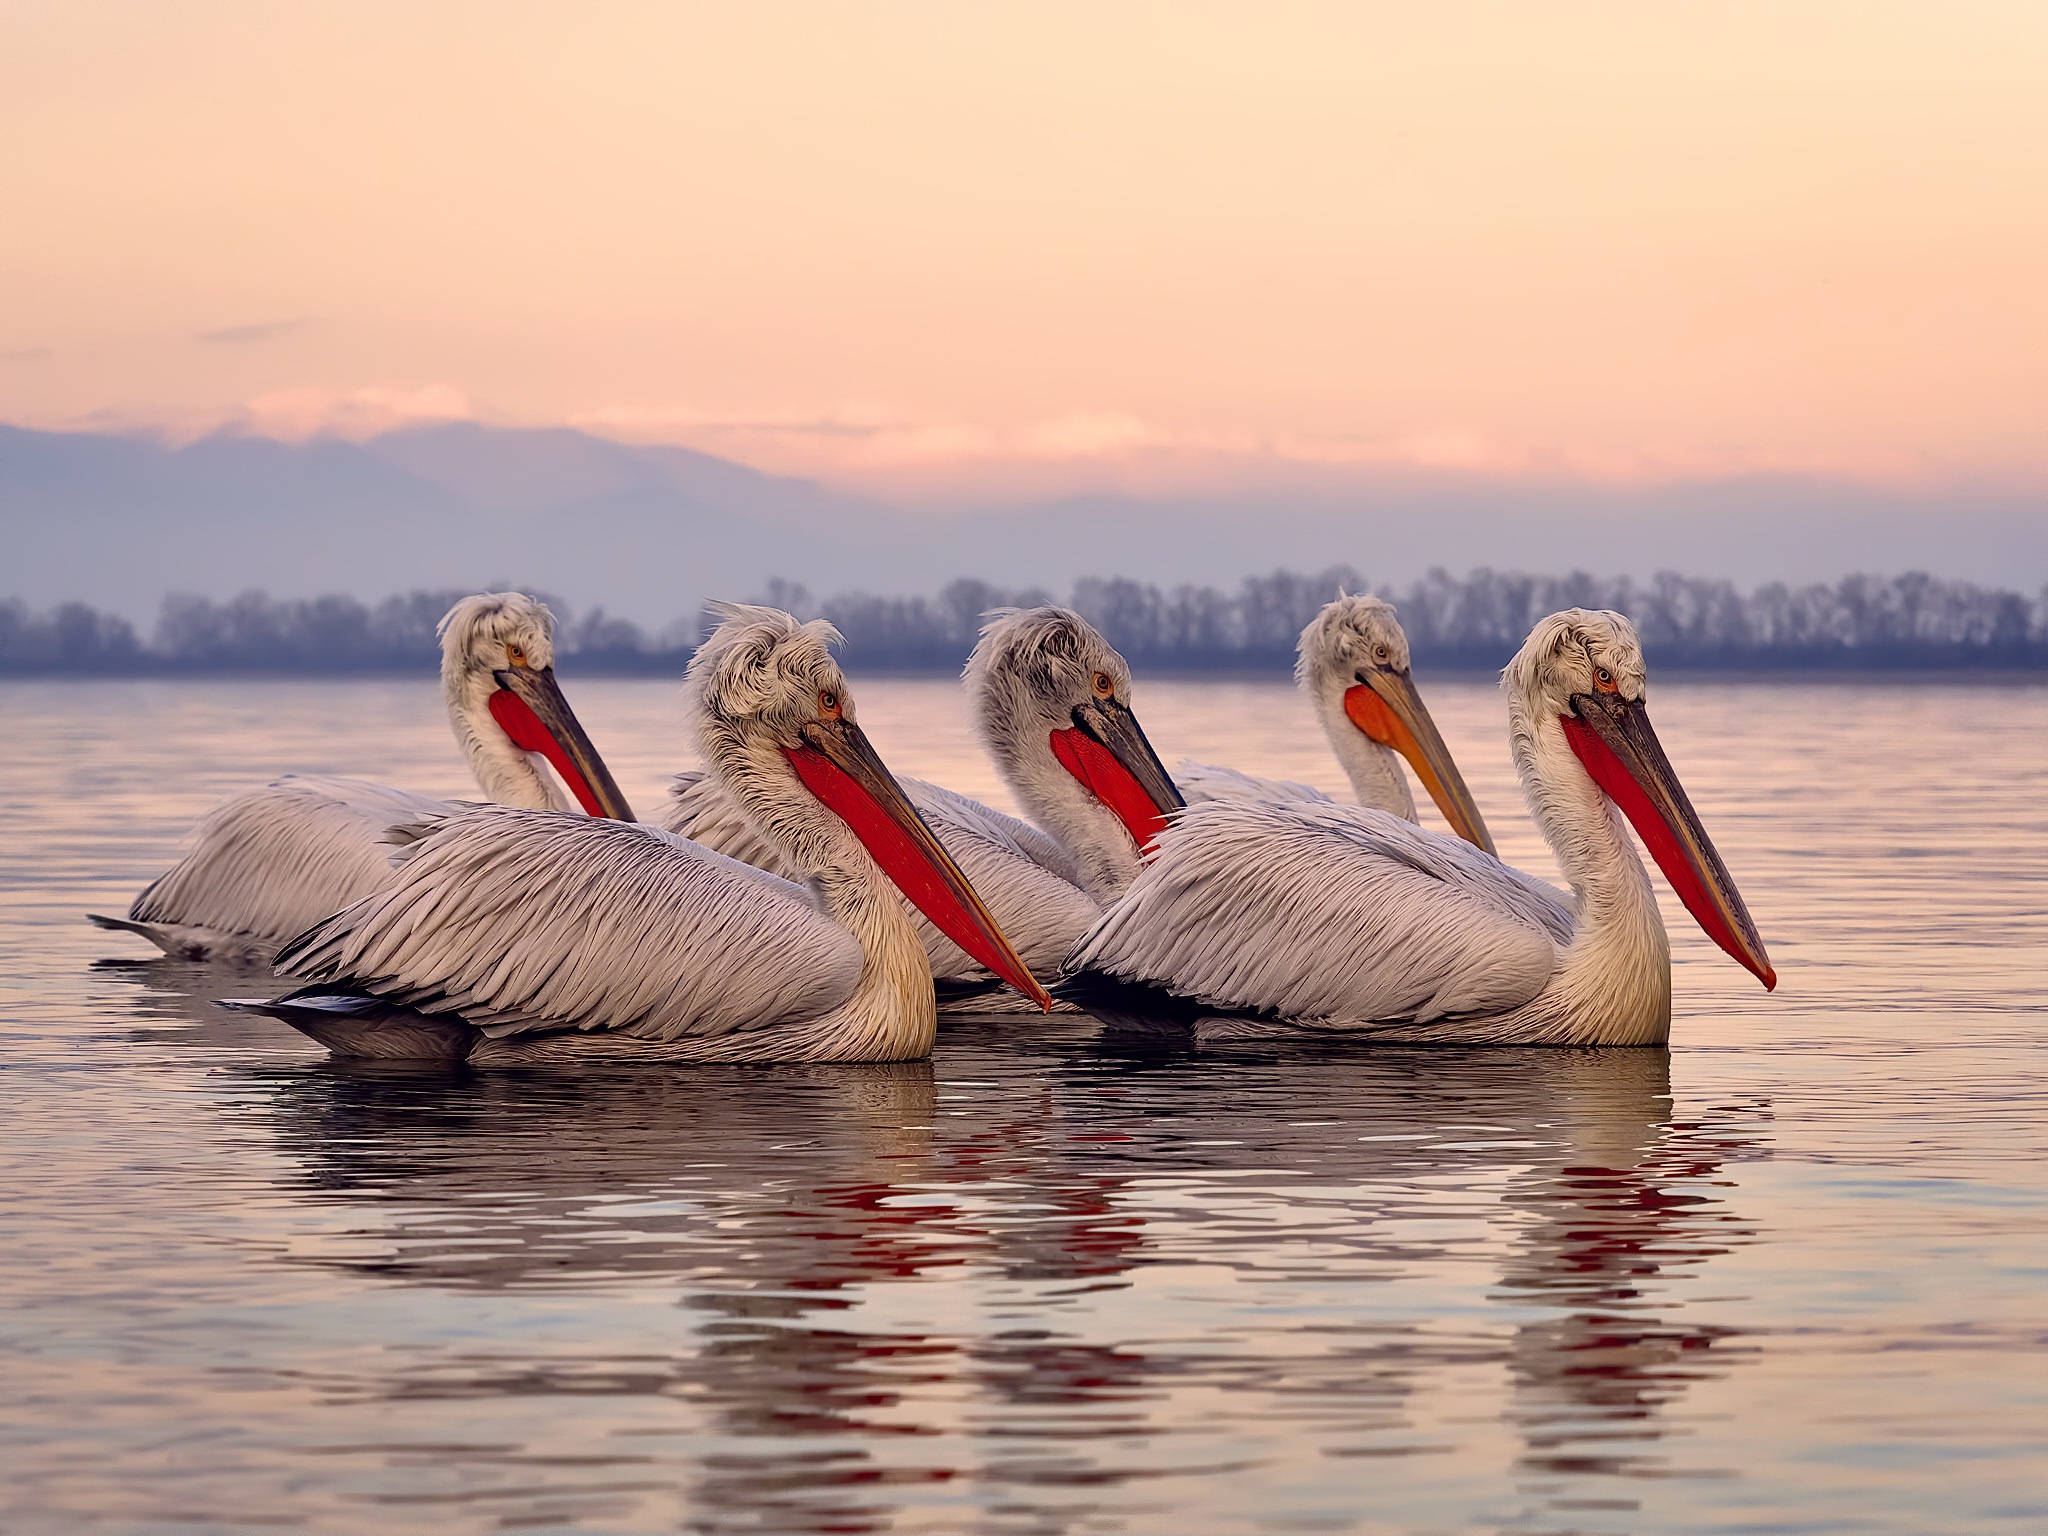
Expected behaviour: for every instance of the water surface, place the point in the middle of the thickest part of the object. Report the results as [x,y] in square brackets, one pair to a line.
[1786,1277]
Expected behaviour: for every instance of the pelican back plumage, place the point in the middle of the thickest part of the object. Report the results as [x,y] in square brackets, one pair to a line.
[268,862]
[1345,919]
[1041,682]
[527,936]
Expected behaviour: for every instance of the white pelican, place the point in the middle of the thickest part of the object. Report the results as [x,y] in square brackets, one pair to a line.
[1051,701]
[1352,662]
[525,936]
[273,861]
[1348,920]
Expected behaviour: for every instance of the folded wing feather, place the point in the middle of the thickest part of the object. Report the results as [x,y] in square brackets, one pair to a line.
[523,921]
[1329,912]
[265,864]
[1027,879]
[1203,782]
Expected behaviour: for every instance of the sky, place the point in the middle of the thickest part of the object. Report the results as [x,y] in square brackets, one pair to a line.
[1008,251]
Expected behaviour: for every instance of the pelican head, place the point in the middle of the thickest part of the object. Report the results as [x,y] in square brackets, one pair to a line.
[1052,700]
[498,676]
[1581,729]
[1353,664]
[775,723]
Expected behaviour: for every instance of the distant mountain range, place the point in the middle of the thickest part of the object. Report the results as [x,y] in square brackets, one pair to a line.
[649,531]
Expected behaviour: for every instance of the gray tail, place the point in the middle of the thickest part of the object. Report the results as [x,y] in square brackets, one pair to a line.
[963,989]
[182,942]
[358,1025]
[1127,1004]
[162,938]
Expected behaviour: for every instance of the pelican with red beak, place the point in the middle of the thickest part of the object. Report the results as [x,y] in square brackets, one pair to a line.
[528,937]
[1353,922]
[1352,663]
[272,861]
[1051,700]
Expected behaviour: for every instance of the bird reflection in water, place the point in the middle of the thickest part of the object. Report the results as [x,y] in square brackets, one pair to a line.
[1021,1183]
[1634,1205]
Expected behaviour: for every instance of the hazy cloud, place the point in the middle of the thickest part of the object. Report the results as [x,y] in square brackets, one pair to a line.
[885,450]
[294,415]
[27,355]
[244,335]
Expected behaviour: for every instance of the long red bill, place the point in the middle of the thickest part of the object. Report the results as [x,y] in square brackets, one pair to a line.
[531,711]
[1107,751]
[842,770]
[1110,782]
[1613,739]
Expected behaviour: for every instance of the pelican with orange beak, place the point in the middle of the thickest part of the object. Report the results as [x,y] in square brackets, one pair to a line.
[1051,701]
[272,861]
[1352,663]
[1352,922]
[528,937]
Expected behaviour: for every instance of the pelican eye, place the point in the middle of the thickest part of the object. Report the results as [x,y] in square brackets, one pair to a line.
[516,655]
[828,703]
[1604,680]
[1104,687]
[1379,653]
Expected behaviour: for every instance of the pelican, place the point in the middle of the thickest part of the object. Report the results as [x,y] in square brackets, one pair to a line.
[1352,662]
[273,861]
[1352,921]
[514,936]
[1052,705]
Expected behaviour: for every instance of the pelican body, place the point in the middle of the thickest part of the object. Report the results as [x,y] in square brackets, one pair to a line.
[1352,664]
[1051,702]
[270,862]
[1355,922]
[530,936]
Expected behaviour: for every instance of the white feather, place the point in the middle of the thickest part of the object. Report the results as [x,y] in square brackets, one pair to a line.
[1201,783]
[544,938]
[271,861]
[1329,917]
[542,920]
[1018,871]
[1329,912]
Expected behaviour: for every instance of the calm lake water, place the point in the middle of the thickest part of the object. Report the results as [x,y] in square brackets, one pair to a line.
[1787,1277]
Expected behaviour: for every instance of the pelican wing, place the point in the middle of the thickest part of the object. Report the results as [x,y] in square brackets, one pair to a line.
[1329,912]
[1024,876]
[947,810]
[270,862]
[1202,782]
[540,920]
[700,809]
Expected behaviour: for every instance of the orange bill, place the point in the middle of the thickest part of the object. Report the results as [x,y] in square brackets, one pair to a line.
[1389,710]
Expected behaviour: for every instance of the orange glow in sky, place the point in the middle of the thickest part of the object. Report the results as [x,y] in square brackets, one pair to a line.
[935,246]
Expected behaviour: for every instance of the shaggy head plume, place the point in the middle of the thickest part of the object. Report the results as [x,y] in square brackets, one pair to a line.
[1033,665]
[1350,633]
[1564,653]
[761,672]
[479,633]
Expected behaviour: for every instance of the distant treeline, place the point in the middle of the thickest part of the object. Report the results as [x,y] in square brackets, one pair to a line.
[1867,623]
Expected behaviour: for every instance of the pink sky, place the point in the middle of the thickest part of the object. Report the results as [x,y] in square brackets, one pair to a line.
[934,247]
